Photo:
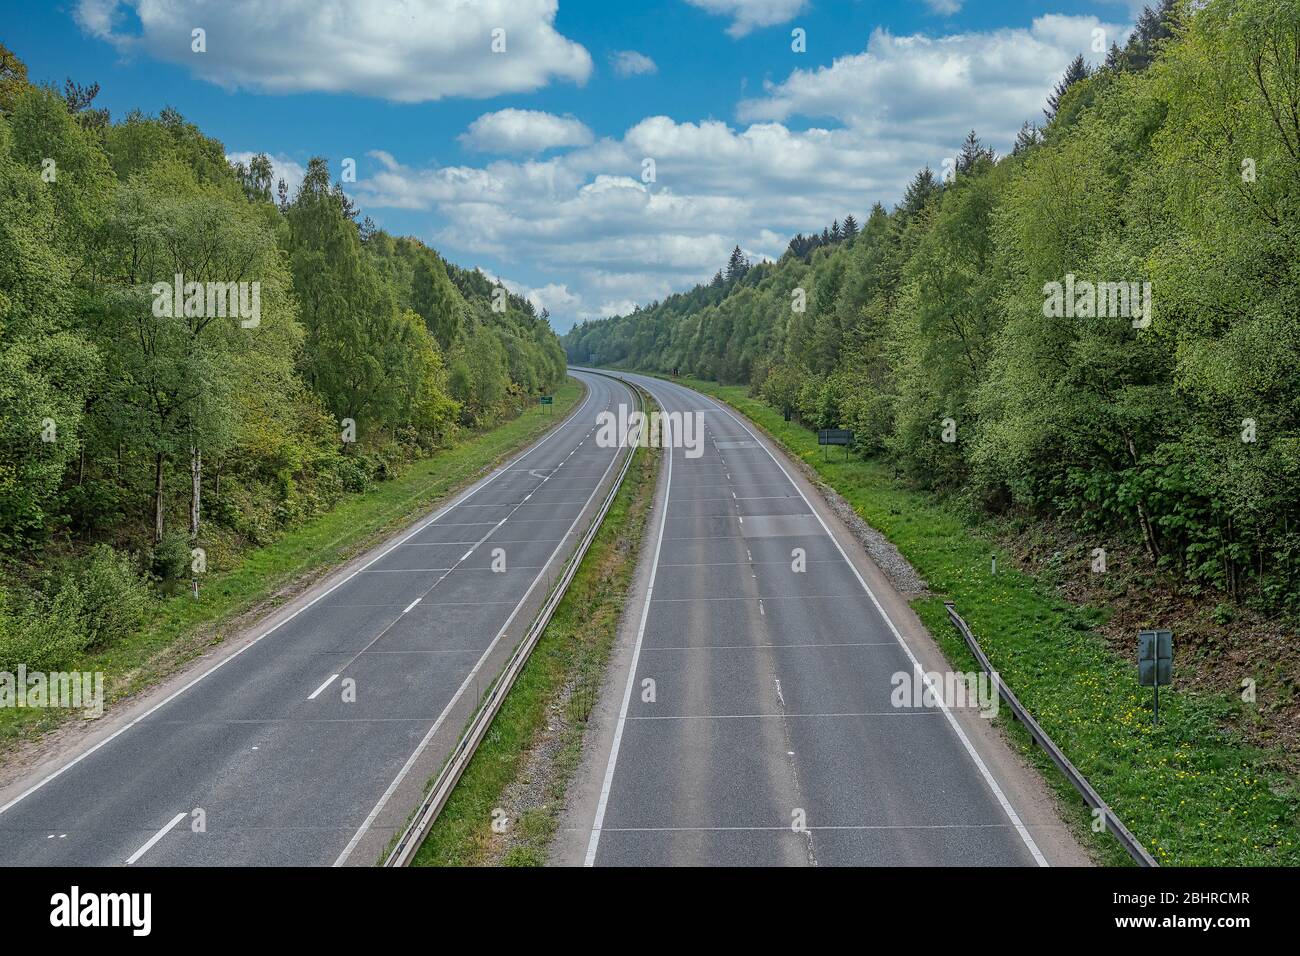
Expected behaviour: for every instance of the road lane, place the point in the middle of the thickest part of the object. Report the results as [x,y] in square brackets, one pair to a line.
[760,696]
[293,748]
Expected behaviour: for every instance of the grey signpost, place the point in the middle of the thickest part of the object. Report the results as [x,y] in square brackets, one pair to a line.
[1155,663]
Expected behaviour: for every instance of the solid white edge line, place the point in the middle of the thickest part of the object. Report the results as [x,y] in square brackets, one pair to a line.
[316,692]
[465,496]
[952,721]
[155,838]
[594,842]
[428,737]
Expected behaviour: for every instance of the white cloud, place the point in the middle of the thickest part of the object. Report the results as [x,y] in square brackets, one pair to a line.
[554,297]
[524,131]
[945,7]
[281,168]
[748,15]
[393,49]
[595,239]
[920,90]
[632,63]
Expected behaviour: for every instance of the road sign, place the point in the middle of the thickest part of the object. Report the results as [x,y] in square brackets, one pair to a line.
[547,399]
[834,436]
[593,359]
[1155,663]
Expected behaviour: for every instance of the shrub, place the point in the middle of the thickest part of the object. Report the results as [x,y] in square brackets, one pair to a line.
[98,603]
[169,561]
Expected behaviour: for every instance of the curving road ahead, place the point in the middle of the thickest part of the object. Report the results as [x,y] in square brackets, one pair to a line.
[770,701]
[310,743]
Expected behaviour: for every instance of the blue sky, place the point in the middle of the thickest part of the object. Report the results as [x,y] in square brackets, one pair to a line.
[531,162]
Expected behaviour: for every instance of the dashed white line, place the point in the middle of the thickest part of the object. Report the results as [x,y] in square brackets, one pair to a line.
[155,838]
[316,692]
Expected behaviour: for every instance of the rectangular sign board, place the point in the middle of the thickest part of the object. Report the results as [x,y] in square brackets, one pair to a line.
[835,436]
[1155,658]
[547,399]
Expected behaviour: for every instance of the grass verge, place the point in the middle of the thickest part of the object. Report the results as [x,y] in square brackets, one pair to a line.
[1190,789]
[179,628]
[534,745]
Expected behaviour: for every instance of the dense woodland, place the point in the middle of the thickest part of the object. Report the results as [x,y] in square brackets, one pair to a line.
[128,439]
[1176,163]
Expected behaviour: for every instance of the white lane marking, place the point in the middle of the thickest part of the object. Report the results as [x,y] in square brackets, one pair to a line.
[952,721]
[784,716]
[594,842]
[224,661]
[316,692]
[418,600]
[154,839]
[786,827]
[469,678]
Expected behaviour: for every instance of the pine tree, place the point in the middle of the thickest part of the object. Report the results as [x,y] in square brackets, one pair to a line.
[1076,71]
[1029,136]
[972,151]
[836,235]
[919,191]
[850,228]
[1153,27]
[737,265]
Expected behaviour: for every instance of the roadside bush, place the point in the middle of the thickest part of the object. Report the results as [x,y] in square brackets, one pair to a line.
[113,596]
[169,562]
[98,603]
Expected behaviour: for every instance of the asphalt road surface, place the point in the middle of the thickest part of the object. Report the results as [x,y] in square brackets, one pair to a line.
[281,767]
[768,735]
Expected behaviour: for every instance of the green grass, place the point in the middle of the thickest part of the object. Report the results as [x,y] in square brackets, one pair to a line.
[1189,789]
[180,627]
[571,653]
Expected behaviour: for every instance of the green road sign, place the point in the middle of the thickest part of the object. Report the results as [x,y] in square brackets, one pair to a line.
[547,399]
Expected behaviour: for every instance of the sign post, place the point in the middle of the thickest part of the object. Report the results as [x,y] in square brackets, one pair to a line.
[834,436]
[547,400]
[1155,663]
